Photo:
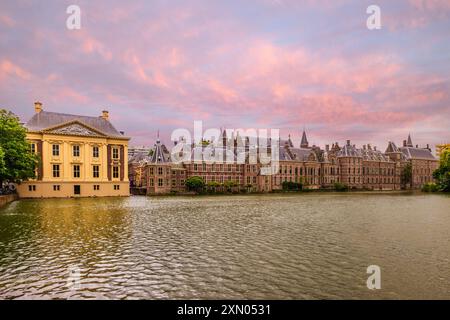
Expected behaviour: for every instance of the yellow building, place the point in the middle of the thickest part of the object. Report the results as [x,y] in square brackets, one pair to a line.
[80,156]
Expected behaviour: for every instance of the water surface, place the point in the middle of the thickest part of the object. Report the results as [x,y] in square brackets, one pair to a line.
[296,246]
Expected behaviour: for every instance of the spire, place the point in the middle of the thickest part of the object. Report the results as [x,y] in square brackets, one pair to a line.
[157,137]
[304,142]
[409,143]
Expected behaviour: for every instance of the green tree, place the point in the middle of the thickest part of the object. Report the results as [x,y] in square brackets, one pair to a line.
[442,174]
[229,185]
[18,161]
[340,186]
[195,183]
[406,175]
[212,186]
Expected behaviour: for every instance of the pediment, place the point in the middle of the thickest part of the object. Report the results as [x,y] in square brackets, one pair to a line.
[75,128]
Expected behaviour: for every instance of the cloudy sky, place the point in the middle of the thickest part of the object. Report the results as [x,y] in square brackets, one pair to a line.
[284,64]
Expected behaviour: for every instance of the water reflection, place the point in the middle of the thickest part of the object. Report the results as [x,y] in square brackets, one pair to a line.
[271,246]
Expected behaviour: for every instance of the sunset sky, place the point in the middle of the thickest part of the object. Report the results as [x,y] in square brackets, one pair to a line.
[284,64]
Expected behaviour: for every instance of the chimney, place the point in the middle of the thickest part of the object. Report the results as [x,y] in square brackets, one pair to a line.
[428,146]
[369,146]
[37,106]
[404,143]
[375,148]
[105,114]
[348,142]
[327,147]
[417,146]
[364,147]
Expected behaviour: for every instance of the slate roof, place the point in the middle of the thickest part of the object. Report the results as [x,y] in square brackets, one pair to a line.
[297,154]
[349,151]
[417,153]
[373,155]
[46,119]
[160,153]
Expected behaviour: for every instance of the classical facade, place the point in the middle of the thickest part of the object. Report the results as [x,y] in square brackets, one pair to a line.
[79,156]
[313,167]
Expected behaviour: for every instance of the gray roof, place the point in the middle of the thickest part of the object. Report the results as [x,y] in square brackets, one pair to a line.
[160,153]
[349,151]
[139,158]
[295,154]
[45,119]
[373,155]
[417,153]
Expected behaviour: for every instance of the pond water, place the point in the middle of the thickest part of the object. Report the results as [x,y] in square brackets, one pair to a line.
[276,246]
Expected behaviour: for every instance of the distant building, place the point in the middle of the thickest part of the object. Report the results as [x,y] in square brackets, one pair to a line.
[313,167]
[78,156]
[137,151]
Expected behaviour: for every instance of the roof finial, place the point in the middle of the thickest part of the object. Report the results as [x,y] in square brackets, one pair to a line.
[157,137]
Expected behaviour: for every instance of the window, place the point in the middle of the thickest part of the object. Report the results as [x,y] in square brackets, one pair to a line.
[56,187]
[160,170]
[174,182]
[151,182]
[115,153]
[33,148]
[96,171]
[76,171]
[151,170]
[195,167]
[55,150]
[31,188]
[96,187]
[116,187]
[115,172]
[56,171]
[77,189]
[76,151]
[95,152]
[160,182]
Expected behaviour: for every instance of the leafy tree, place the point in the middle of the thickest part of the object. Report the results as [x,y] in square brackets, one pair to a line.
[289,185]
[229,185]
[18,161]
[430,187]
[195,183]
[406,175]
[213,185]
[442,174]
[340,186]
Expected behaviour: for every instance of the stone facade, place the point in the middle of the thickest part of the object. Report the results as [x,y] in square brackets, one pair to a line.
[313,167]
[79,156]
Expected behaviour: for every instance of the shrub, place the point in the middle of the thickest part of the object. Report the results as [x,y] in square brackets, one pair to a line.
[340,187]
[430,187]
[290,186]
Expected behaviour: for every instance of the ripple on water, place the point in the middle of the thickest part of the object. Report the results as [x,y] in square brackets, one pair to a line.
[259,247]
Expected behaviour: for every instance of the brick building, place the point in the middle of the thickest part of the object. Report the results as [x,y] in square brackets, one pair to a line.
[313,167]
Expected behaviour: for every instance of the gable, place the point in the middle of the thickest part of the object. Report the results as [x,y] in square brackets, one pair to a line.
[75,129]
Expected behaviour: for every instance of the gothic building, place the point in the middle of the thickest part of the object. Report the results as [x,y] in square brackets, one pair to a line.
[313,167]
